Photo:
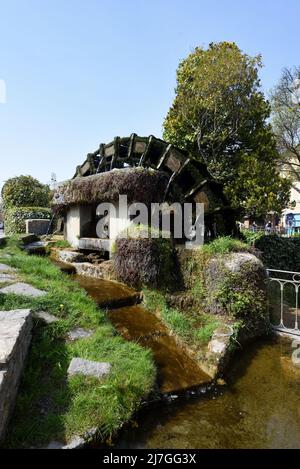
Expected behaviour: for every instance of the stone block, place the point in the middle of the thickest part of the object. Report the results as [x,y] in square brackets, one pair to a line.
[6,268]
[88,368]
[79,333]
[15,337]
[25,289]
[70,256]
[45,317]
[37,226]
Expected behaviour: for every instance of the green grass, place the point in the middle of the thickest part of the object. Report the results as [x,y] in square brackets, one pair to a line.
[60,244]
[50,406]
[196,329]
[224,245]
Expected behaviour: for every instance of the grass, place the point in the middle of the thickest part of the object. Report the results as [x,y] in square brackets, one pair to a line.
[50,406]
[224,245]
[60,244]
[194,330]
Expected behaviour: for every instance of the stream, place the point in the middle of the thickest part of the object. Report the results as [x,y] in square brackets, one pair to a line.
[258,408]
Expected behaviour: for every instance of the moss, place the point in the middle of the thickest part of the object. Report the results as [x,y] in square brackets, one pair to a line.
[141,261]
[139,184]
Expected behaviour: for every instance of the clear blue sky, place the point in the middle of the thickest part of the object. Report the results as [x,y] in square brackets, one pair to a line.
[79,72]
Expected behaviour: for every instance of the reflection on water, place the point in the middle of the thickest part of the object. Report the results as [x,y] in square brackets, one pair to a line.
[289,305]
[260,408]
[106,293]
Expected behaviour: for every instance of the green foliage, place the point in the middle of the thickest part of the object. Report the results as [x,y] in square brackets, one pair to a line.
[224,245]
[60,244]
[14,218]
[251,236]
[49,405]
[191,329]
[25,191]
[221,117]
[279,253]
[242,301]
[285,100]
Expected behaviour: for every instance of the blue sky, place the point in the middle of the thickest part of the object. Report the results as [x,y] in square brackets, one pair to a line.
[78,73]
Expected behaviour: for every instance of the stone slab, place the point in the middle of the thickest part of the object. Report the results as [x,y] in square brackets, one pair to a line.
[11,324]
[37,248]
[37,226]
[15,337]
[70,256]
[25,289]
[79,333]
[6,277]
[88,368]
[6,268]
[47,318]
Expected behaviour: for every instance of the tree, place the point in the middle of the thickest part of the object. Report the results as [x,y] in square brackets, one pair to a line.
[221,117]
[25,191]
[285,101]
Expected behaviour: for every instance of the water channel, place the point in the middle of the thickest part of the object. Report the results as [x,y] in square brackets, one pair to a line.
[258,408]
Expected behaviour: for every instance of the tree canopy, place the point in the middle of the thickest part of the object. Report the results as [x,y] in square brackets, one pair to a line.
[25,191]
[220,116]
[285,100]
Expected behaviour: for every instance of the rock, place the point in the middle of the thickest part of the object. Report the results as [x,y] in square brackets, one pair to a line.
[29,238]
[47,318]
[236,261]
[6,277]
[235,286]
[77,442]
[221,382]
[55,445]
[217,346]
[25,289]
[105,270]
[15,337]
[37,248]
[6,268]
[79,333]
[71,256]
[88,368]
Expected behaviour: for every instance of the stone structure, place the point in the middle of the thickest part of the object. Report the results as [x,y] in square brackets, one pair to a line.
[38,226]
[145,169]
[15,336]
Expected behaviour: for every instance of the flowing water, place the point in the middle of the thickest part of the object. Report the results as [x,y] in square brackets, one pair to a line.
[177,371]
[258,408]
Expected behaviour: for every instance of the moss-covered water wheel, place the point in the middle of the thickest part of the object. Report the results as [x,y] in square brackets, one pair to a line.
[188,179]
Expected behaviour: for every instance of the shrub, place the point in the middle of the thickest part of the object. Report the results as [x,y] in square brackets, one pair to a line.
[145,261]
[15,218]
[279,253]
[25,191]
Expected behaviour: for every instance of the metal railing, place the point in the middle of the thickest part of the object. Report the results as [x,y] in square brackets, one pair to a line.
[284,300]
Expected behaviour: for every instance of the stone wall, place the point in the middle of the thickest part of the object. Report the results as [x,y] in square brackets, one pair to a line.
[15,337]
